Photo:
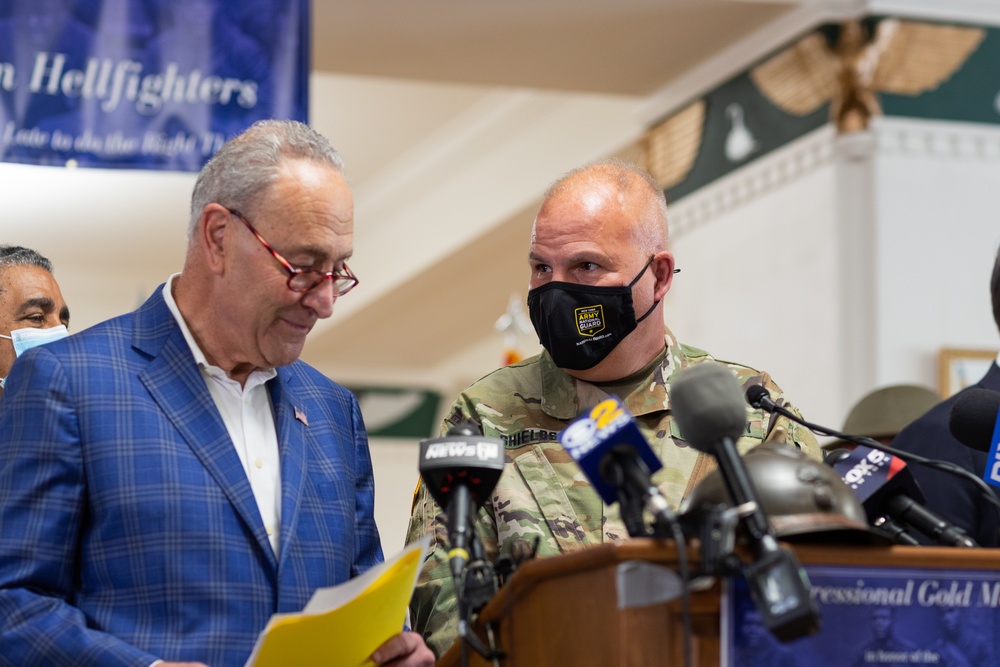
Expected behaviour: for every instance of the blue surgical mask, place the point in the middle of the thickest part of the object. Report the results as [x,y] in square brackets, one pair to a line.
[25,339]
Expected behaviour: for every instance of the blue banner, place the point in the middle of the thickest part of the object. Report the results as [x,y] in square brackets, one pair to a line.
[877,616]
[145,84]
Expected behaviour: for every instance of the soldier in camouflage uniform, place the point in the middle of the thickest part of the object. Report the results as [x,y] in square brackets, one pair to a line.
[596,228]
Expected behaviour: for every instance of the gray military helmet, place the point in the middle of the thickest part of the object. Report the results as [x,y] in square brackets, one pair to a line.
[803,498]
[884,412]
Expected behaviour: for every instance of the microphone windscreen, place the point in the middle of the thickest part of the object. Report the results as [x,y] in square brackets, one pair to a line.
[707,402]
[755,393]
[973,418]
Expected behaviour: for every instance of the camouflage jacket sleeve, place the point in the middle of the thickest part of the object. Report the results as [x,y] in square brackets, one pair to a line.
[761,426]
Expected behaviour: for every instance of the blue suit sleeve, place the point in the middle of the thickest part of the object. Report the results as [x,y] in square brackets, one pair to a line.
[368,550]
[43,496]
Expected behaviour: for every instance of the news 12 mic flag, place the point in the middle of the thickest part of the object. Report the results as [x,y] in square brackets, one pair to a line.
[156,84]
[592,435]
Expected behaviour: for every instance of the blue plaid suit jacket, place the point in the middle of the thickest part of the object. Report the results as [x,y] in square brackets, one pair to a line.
[128,529]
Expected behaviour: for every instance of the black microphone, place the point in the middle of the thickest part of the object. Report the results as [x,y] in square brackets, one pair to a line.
[707,403]
[886,487]
[891,528]
[711,419]
[460,470]
[760,398]
[607,445]
[973,418]
[616,458]
[881,481]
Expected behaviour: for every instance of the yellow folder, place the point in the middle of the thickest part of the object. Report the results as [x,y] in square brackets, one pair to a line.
[342,625]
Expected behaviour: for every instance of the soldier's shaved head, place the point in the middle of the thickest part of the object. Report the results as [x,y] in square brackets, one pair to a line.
[635,188]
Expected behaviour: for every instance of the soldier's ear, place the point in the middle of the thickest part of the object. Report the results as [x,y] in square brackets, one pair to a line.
[662,267]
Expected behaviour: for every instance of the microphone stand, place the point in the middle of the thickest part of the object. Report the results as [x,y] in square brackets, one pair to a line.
[475,584]
[636,493]
[630,507]
[660,525]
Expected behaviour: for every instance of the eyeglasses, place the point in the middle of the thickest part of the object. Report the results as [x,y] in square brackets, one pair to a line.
[303,280]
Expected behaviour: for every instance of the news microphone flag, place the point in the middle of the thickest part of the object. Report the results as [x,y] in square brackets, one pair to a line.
[868,471]
[590,437]
[992,472]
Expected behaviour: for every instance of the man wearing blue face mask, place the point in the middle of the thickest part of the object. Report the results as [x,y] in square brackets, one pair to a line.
[32,309]
[599,269]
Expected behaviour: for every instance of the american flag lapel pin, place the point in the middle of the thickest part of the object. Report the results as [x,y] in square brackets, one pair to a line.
[301,416]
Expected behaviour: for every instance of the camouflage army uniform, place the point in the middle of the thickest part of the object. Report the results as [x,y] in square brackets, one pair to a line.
[542,492]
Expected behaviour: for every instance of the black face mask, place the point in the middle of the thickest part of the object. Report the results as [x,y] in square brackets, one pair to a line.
[580,325]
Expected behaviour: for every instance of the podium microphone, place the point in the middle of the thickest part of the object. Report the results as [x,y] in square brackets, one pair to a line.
[879,477]
[892,529]
[886,488]
[460,470]
[607,445]
[974,420]
[616,458]
[708,405]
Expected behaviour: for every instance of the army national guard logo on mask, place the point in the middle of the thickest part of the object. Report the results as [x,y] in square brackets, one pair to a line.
[580,325]
[590,320]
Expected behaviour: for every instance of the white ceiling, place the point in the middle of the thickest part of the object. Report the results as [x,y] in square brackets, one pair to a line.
[623,47]
[453,116]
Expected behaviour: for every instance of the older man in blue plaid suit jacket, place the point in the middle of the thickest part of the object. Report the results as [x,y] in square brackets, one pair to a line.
[171,478]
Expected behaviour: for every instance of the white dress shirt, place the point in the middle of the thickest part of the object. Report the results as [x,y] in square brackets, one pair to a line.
[249,417]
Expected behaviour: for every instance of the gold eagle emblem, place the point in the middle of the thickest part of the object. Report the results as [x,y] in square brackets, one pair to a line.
[900,57]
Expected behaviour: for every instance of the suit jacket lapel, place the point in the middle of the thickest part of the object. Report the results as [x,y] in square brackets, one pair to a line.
[291,422]
[176,384]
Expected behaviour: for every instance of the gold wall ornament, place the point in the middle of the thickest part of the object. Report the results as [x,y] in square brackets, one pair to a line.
[902,57]
[672,145]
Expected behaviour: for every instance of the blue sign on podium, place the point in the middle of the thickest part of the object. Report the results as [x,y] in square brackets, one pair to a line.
[876,616]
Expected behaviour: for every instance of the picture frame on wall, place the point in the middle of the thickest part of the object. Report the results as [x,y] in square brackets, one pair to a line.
[959,368]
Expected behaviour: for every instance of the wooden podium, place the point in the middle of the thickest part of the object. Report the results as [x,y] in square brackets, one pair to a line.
[565,610]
